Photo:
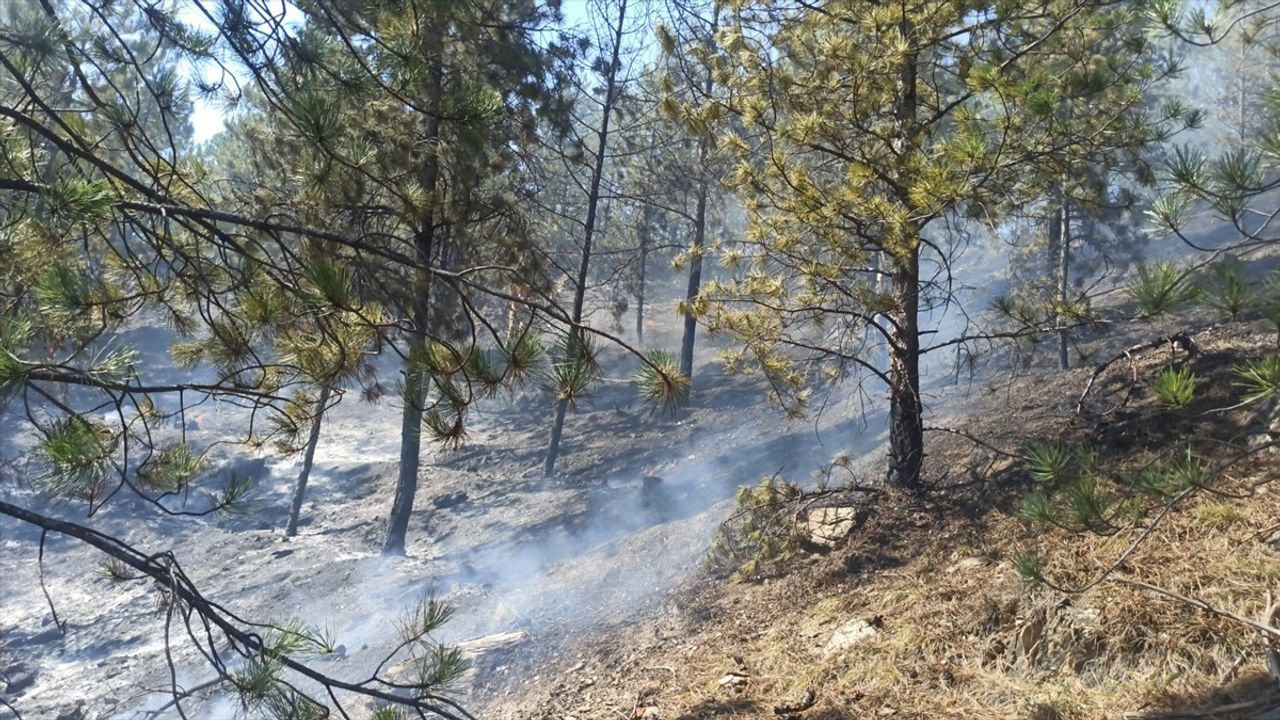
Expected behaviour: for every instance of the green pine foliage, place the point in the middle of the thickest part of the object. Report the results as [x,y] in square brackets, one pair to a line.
[1175,388]
[760,536]
[661,383]
[1228,291]
[1051,462]
[1259,379]
[1159,288]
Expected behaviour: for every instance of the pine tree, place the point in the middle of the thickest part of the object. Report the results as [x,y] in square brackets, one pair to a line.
[109,222]
[575,365]
[865,130]
[689,44]
[1237,183]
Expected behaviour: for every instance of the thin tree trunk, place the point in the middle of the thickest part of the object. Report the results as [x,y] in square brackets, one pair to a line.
[593,202]
[1064,266]
[699,233]
[906,421]
[415,380]
[644,265]
[695,273]
[308,457]
[906,412]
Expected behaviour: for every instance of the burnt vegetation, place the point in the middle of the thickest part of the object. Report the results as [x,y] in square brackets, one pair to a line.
[1002,277]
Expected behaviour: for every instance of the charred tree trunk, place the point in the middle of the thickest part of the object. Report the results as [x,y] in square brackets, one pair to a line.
[415,380]
[593,203]
[644,265]
[695,272]
[308,457]
[1064,266]
[699,233]
[906,412]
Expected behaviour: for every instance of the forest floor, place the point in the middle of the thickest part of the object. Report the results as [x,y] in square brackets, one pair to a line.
[599,575]
[550,559]
[920,613]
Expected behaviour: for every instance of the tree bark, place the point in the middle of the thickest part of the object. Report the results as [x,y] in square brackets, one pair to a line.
[593,202]
[1064,266]
[415,380]
[699,232]
[644,265]
[308,458]
[906,412]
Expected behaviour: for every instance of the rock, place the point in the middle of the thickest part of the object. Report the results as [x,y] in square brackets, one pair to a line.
[828,526]
[848,635]
[970,563]
[1028,638]
[733,679]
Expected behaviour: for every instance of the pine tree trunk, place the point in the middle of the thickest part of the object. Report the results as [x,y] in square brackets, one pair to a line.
[644,265]
[1064,266]
[906,412]
[308,457]
[699,231]
[415,380]
[695,274]
[593,202]
[410,458]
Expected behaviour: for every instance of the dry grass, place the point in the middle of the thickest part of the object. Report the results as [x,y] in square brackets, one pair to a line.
[958,640]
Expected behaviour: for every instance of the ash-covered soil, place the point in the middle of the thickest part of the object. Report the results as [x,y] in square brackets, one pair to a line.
[554,558]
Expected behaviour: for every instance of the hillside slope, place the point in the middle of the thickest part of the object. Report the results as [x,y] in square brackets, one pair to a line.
[920,612]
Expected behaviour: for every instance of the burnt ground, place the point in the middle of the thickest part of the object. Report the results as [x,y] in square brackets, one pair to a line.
[604,576]
[556,558]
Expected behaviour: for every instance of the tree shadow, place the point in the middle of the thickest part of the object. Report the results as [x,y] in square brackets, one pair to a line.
[720,708]
[1252,697]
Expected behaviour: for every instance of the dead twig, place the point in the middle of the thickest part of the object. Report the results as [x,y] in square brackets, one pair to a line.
[973,439]
[1269,617]
[60,624]
[1271,632]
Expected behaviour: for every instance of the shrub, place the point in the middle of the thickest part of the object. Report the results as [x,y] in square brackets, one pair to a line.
[1259,379]
[1228,292]
[761,535]
[1175,388]
[1160,288]
[1049,462]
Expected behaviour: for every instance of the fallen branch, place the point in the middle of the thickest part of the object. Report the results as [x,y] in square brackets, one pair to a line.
[243,636]
[1182,340]
[180,695]
[973,439]
[1268,630]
